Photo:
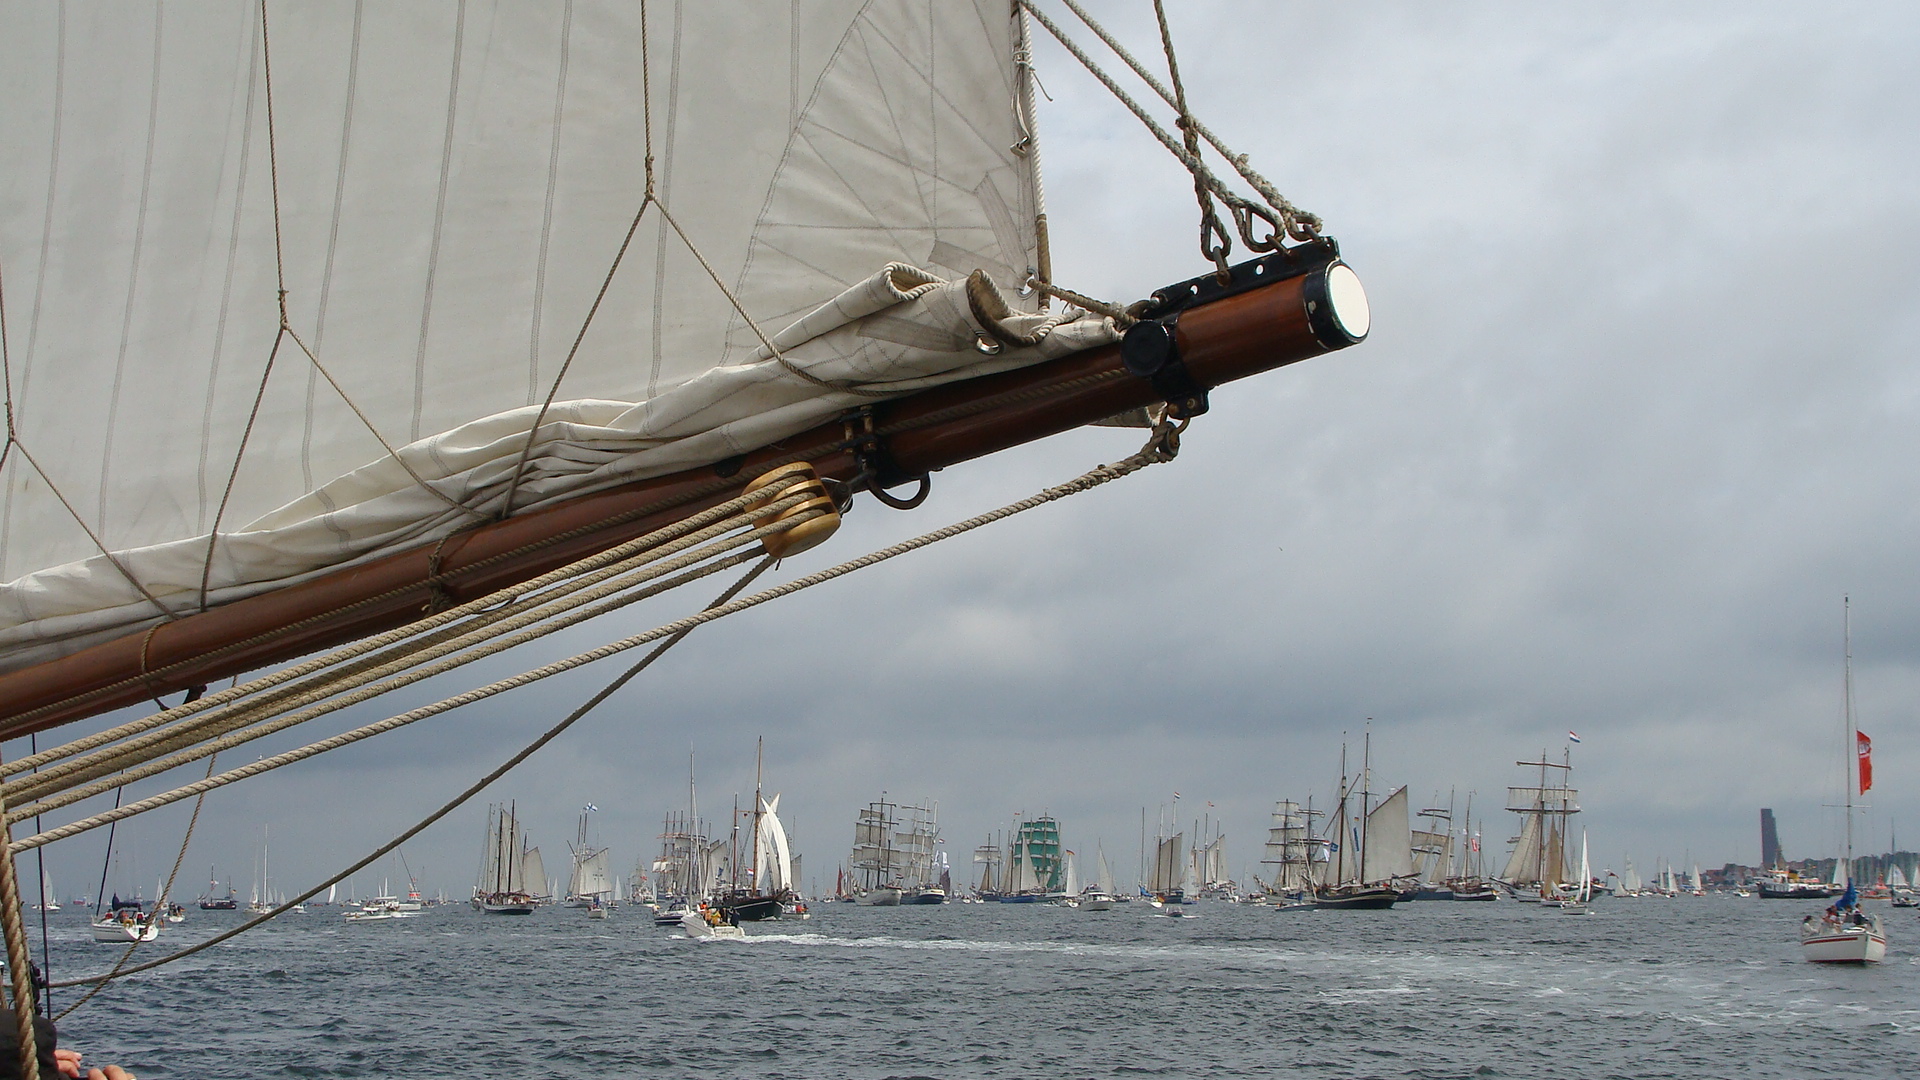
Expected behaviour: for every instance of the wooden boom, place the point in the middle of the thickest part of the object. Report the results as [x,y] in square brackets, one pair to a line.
[1274,311]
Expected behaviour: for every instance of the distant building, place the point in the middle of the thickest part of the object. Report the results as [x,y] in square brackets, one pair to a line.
[1770,857]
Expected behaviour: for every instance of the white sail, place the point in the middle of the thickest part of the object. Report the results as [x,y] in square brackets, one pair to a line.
[1105,878]
[595,878]
[772,862]
[1896,879]
[452,191]
[1524,864]
[1071,883]
[1388,852]
[533,873]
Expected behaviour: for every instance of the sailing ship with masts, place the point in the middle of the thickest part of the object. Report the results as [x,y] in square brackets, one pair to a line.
[513,877]
[1537,868]
[324,444]
[590,882]
[770,882]
[990,857]
[924,876]
[1036,862]
[215,900]
[1290,851]
[1372,846]
[875,864]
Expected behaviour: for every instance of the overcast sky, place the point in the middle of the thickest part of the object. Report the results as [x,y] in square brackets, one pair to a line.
[1638,409]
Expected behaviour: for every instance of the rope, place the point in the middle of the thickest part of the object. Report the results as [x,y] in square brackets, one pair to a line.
[1285,218]
[455,803]
[667,540]
[765,342]
[577,610]
[19,962]
[1310,223]
[519,467]
[1160,447]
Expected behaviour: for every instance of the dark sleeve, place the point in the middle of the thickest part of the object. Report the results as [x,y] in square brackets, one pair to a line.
[44,1035]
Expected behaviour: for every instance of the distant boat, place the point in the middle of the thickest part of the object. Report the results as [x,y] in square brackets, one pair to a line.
[1361,879]
[509,870]
[876,867]
[1581,902]
[1845,934]
[126,923]
[211,900]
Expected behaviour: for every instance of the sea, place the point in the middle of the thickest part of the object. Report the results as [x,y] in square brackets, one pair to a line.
[1687,987]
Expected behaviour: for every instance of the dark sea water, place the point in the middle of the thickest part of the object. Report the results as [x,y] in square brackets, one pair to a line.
[1694,987]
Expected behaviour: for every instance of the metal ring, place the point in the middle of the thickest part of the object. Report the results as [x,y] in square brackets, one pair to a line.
[918,497]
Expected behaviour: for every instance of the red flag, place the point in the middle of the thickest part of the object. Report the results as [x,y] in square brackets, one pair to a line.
[1865,747]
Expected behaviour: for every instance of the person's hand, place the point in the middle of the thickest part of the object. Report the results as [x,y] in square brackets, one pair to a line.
[69,1062]
[111,1072]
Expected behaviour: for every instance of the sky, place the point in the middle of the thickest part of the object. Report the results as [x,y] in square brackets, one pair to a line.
[1638,410]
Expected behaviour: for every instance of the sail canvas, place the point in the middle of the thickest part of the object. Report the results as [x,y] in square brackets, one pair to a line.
[452,193]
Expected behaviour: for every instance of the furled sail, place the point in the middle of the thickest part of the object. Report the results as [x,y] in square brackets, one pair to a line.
[453,186]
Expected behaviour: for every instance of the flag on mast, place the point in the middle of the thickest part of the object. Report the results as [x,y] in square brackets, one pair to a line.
[1864,746]
[1571,737]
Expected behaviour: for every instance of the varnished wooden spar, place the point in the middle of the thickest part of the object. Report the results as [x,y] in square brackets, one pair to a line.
[1278,310]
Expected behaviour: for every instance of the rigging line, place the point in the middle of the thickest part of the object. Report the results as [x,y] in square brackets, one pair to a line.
[1162,445]
[439,216]
[457,801]
[519,467]
[366,693]
[375,432]
[40,866]
[233,475]
[159,911]
[419,629]
[333,237]
[1240,162]
[219,725]
[546,212]
[1209,220]
[1304,226]
[20,966]
[765,342]
[165,613]
[273,164]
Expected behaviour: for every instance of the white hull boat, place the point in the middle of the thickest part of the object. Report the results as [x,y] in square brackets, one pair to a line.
[884,896]
[119,932]
[697,927]
[1825,943]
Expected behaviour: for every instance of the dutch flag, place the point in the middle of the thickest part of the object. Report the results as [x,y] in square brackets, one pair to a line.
[1571,737]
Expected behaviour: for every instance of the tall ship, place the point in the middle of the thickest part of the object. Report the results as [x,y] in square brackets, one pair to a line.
[924,876]
[763,880]
[1289,850]
[1036,863]
[349,357]
[1371,846]
[1537,868]
[990,857]
[1434,859]
[512,875]
[877,867]
[590,882]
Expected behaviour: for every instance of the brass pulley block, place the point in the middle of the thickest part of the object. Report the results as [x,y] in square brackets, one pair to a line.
[796,479]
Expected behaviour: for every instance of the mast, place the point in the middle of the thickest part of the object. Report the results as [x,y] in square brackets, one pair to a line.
[1339,823]
[1366,793]
[1850,755]
[759,747]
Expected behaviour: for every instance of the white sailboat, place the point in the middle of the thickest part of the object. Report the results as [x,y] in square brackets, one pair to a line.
[1847,935]
[1098,896]
[590,882]
[1581,902]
